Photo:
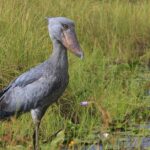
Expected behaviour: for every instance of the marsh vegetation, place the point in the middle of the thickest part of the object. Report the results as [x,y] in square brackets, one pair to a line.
[114,77]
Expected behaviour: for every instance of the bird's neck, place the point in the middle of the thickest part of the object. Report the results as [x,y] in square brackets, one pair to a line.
[59,55]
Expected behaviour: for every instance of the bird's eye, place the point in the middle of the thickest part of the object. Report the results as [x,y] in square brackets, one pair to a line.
[65,26]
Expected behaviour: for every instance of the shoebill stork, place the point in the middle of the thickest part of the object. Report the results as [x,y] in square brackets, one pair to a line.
[36,89]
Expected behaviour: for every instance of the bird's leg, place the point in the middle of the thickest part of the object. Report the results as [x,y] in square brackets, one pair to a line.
[35,136]
[37,115]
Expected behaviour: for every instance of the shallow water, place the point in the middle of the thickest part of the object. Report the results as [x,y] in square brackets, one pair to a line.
[122,142]
[127,143]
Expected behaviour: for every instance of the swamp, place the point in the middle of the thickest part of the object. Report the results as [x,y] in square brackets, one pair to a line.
[107,102]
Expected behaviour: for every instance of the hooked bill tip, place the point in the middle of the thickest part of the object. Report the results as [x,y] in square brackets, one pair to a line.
[82,56]
[79,54]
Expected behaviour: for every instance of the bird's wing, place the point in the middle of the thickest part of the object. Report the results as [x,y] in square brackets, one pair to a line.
[23,99]
[23,80]
[17,96]
[27,78]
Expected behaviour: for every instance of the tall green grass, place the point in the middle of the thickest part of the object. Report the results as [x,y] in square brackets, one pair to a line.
[115,36]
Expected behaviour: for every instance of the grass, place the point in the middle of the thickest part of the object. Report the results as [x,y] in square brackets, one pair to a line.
[115,36]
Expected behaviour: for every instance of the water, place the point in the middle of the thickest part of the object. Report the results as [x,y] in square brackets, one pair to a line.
[127,143]
[120,140]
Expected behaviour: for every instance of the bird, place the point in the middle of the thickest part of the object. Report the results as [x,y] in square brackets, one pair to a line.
[36,89]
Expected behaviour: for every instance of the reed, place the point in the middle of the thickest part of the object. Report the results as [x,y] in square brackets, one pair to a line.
[115,36]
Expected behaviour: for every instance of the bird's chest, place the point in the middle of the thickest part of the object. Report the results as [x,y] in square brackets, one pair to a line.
[58,87]
[60,84]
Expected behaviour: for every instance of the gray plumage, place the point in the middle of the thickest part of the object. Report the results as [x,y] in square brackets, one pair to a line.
[38,87]
[42,85]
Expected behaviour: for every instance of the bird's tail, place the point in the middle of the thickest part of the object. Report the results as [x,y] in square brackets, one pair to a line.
[5,114]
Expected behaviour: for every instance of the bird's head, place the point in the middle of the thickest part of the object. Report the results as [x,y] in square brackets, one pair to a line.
[63,30]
